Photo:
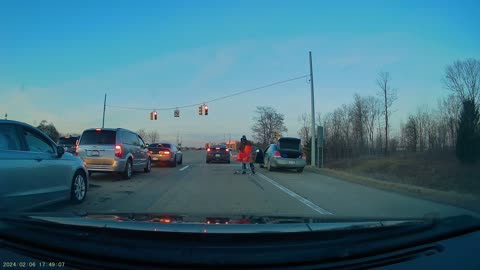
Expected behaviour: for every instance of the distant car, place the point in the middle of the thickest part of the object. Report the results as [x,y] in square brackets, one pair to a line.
[68,143]
[287,153]
[165,153]
[218,153]
[34,171]
[114,150]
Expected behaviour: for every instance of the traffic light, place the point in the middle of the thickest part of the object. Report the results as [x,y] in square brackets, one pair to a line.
[151,115]
[200,110]
[206,110]
[155,115]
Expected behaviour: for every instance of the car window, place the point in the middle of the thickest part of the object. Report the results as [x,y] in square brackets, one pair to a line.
[8,138]
[140,142]
[67,140]
[37,143]
[98,137]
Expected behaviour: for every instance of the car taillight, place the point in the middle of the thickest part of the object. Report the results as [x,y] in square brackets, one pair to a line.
[166,152]
[304,156]
[208,150]
[227,150]
[118,151]
[277,154]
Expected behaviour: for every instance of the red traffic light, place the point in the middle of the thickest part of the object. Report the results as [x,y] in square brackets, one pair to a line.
[206,110]
[155,115]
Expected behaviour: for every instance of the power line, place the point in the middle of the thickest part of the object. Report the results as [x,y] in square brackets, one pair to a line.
[212,100]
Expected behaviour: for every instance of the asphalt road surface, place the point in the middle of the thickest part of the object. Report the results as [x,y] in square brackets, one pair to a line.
[196,187]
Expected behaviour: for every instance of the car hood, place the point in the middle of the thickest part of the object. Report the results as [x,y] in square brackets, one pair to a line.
[220,223]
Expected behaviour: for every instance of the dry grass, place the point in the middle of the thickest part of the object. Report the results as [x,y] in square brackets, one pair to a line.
[440,171]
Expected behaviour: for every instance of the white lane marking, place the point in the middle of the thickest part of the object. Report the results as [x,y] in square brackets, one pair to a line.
[184,168]
[296,196]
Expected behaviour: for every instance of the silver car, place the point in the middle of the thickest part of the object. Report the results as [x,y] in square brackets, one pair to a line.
[165,153]
[34,171]
[113,150]
[287,153]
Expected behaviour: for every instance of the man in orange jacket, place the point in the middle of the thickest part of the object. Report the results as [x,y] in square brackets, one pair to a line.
[244,154]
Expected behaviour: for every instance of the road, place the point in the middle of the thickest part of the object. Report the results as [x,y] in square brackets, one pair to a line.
[213,189]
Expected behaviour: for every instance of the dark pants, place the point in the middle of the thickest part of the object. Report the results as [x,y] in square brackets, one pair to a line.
[244,167]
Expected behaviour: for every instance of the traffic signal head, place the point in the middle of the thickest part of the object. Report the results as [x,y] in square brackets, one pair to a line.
[155,115]
[151,115]
[206,110]
[200,110]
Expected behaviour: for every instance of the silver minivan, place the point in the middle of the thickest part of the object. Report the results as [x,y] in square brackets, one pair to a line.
[113,150]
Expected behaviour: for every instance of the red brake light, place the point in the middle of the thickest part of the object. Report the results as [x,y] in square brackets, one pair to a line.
[218,148]
[304,156]
[208,149]
[98,129]
[277,154]
[118,151]
[166,152]
[227,150]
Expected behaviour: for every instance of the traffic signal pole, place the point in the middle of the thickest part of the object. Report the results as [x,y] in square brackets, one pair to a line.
[104,106]
[313,145]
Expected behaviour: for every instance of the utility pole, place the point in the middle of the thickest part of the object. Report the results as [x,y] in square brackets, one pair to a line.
[104,106]
[6,116]
[313,145]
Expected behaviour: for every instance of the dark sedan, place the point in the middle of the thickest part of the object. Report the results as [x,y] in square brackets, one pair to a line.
[218,153]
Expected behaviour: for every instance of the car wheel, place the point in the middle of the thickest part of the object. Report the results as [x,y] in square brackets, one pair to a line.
[78,190]
[174,163]
[149,166]
[181,160]
[127,173]
[208,161]
[269,166]
[228,161]
[300,170]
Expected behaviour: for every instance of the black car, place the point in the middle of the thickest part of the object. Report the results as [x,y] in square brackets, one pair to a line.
[68,143]
[219,153]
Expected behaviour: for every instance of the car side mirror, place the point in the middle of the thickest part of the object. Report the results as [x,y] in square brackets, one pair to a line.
[60,151]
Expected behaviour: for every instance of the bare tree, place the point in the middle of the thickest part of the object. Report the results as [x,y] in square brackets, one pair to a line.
[153,136]
[267,122]
[49,129]
[373,113]
[463,78]
[410,134]
[305,126]
[388,96]
[449,109]
[142,133]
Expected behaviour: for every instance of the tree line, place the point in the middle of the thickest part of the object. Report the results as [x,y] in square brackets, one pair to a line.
[363,127]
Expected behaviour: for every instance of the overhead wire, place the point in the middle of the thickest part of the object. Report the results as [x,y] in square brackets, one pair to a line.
[211,100]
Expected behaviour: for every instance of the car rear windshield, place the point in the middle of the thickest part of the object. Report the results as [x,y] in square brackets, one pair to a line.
[158,145]
[289,144]
[98,137]
[67,141]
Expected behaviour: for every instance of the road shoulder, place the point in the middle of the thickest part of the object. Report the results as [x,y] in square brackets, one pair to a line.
[467,201]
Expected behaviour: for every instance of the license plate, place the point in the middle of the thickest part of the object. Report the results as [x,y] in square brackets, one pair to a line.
[94,153]
[217,155]
[291,162]
[65,148]
[154,158]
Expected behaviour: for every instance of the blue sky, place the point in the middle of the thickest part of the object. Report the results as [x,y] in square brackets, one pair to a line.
[58,58]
